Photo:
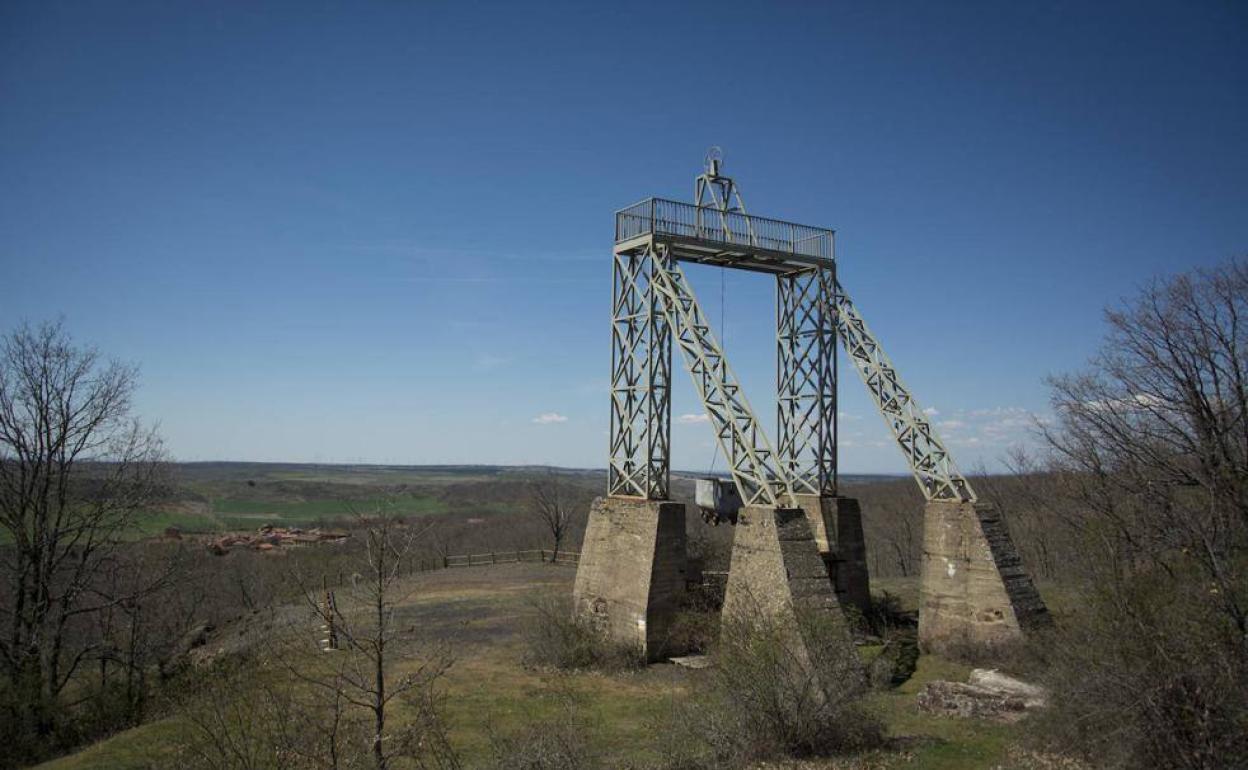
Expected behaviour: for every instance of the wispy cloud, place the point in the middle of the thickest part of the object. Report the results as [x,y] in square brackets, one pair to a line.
[548,418]
[487,362]
[931,411]
[691,419]
[988,430]
[996,426]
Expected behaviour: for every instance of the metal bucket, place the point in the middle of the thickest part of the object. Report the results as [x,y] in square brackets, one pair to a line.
[718,499]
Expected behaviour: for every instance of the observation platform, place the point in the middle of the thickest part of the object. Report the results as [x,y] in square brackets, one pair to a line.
[710,236]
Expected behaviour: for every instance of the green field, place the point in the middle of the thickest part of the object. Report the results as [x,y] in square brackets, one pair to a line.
[306,511]
[222,497]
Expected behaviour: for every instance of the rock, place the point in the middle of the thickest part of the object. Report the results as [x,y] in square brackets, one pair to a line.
[692,661]
[970,701]
[1032,695]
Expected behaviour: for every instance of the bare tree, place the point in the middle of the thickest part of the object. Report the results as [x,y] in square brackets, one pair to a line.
[551,503]
[894,526]
[443,540]
[361,674]
[1156,432]
[1149,477]
[75,467]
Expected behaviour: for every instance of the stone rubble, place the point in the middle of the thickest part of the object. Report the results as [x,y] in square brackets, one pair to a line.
[987,694]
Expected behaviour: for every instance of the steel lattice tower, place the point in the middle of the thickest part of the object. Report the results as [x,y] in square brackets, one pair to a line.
[793,524]
[653,305]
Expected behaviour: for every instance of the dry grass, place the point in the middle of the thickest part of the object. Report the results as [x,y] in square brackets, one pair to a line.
[490,693]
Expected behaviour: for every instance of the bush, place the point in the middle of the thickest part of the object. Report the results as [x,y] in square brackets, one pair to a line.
[557,743]
[696,625]
[887,613]
[556,637]
[897,661]
[777,690]
[1146,677]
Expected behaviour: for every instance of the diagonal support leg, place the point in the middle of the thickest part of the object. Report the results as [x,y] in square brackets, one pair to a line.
[751,459]
[929,460]
[974,589]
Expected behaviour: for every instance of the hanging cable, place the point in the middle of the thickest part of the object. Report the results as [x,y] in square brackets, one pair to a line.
[723,337]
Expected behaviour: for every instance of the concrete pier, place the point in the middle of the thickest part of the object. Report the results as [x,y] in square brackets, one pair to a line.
[974,590]
[777,571]
[631,575]
[836,524]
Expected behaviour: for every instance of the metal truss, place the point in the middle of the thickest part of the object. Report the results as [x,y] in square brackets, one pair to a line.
[641,374]
[651,297]
[930,462]
[751,459]
[806,379]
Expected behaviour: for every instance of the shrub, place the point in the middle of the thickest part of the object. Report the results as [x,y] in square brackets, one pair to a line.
[897,661]
[554,744]
[696,625]
[887,613]
[778,689]
[556,637]
[1146,677]
[557,742]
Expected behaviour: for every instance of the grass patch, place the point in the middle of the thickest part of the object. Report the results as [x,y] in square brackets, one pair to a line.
[940,743]
[139,748]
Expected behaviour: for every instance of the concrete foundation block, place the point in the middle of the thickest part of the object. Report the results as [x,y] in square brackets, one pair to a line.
[631,576]
[974,590]
[776,572]
[836,525]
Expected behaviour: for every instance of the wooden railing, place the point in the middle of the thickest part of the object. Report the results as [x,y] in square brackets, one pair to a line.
[411,566]
[510,557]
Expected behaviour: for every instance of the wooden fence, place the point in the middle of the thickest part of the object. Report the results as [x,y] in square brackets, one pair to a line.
[508,557]
[412,566]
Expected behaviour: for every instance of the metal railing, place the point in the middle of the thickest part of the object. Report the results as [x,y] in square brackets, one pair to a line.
[659,216]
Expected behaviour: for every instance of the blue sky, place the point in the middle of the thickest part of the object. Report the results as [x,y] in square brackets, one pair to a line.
[381,232]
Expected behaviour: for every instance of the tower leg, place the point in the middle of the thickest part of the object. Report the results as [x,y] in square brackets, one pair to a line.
[974,592]
[641,369]
[806,379]
[631,575]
